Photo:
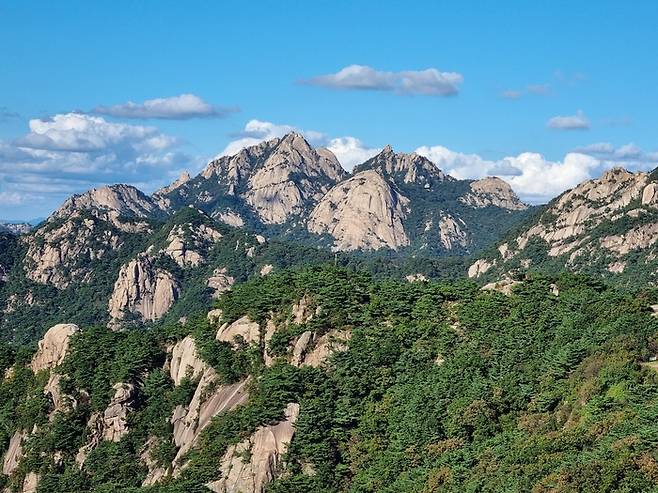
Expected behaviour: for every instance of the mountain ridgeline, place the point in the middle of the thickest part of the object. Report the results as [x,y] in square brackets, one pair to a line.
[278,325]
[607,227]
[114,255]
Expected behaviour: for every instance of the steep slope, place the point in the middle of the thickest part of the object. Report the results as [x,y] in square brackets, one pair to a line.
[404,202]
[362,213]
[607,226]
[270,183]
[323,379]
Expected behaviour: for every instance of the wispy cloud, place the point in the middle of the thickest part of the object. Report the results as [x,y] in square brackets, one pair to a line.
[183,107]
[429,82]
[6,114]
[571,122]
[71,152]
[630,155]
[531,89]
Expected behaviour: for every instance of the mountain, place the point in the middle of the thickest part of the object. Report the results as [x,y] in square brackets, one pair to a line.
[271,183]
[404,202]
[114,255]
[16,228]
[324,379]
[605,227]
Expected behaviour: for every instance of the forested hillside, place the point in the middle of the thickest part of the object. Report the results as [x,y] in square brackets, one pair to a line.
[377,385]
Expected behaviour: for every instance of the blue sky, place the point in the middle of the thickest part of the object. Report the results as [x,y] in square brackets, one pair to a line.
[542,93]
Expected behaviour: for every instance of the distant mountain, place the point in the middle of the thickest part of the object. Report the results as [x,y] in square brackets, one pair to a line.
[17,228]
[607,227]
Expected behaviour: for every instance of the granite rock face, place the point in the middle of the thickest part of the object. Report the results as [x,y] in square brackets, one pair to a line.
[265,450]
[362,213]
[603,221]
[53,347]
[143,289]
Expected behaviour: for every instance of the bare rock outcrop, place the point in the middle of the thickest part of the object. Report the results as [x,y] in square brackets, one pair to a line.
[617,198]
[363,212]
[14,453]
[187,243]
[405,168]
[243,330]
[452,232]
[265,450]
[493,191]
[504,286]
[311,350]
[185,361]
[209,400]
[124,200]
[53,347]
[293,175]
[115,416]
[220,281]
[143,289]
[54,253]
[278,178]
[480,267]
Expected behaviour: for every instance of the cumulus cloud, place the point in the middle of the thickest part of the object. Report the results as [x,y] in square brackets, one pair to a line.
[429,82]
[572,122]
[72,152]
[349,151]
[182,107]
[533,177]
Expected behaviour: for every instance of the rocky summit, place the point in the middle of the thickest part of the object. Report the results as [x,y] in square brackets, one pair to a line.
[607,226]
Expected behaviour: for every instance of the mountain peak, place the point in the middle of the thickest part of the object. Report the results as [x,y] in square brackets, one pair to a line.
[122,199]
[405,168]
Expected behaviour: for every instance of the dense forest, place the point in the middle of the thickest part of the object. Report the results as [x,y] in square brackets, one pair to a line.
[441,387]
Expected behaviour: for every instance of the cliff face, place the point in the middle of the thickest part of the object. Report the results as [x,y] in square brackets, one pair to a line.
[143,289]
[605,225]
[364,212]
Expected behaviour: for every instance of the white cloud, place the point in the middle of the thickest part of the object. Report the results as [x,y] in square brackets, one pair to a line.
[77,132]
[255,132]
[349,151]
[572,122]
[534,178]
[181,107]
[429,82]
[72,152]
